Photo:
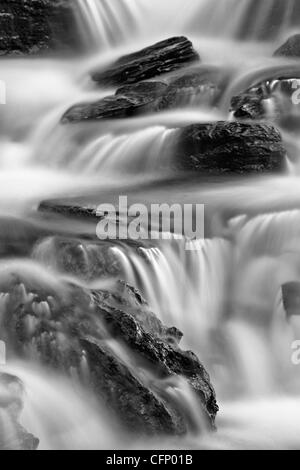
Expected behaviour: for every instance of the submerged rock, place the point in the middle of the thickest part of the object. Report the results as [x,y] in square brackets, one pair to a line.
[230,147]
[291,48]
[12,435]
[161,58]
[85,259]
[114,344]
[39,26]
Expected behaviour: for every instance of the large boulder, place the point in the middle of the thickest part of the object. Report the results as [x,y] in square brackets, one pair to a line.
[291,48]
[12,435]
[39,26]
[112,343]
[161,58]
[229,147]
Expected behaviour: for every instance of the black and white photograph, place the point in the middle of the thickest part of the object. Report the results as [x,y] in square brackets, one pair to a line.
[149,228]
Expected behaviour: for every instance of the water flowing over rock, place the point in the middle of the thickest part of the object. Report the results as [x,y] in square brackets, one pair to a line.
[161,58]
[291,48]
[275,99]
[230,147]
[34,27]
[12,435]
[202,86]
[114,344]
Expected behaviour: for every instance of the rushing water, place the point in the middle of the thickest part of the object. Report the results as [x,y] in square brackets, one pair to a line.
[225,295]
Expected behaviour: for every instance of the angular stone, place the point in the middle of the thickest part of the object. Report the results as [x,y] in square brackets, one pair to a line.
[161,58]
[128,101]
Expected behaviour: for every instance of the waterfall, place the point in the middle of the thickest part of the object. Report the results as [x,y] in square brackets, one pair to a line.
[110,22]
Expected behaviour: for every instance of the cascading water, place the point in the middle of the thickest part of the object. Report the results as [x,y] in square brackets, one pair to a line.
[225,294]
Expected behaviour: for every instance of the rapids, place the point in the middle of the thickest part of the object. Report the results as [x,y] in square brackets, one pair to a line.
[225,295]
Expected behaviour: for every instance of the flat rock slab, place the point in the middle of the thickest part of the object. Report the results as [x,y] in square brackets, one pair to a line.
[128,101]
[229,147]
[161,58]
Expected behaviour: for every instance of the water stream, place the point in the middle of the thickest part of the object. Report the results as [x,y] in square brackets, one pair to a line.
[226,295]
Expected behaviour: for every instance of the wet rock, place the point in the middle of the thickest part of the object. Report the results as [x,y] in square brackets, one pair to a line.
[291,48]
[130,100]
[161,58]
[197,87]
[276,100]
[85,259]
[12,435]
[229,147]
[114,344]
[39,26]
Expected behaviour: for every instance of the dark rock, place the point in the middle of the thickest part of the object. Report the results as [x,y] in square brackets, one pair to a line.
[291,298]
[230,147]
[291,48]
[161,58]
[39,26]
[128,101]
[114,344]
[12,435]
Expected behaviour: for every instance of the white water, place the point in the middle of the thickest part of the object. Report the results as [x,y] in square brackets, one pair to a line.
[225,296]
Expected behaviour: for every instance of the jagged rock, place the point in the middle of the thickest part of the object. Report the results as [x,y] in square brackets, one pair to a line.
[161,58]
[33,27]
[113,343]
[12,435]
[291,48]
[229,147]
[128,101]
